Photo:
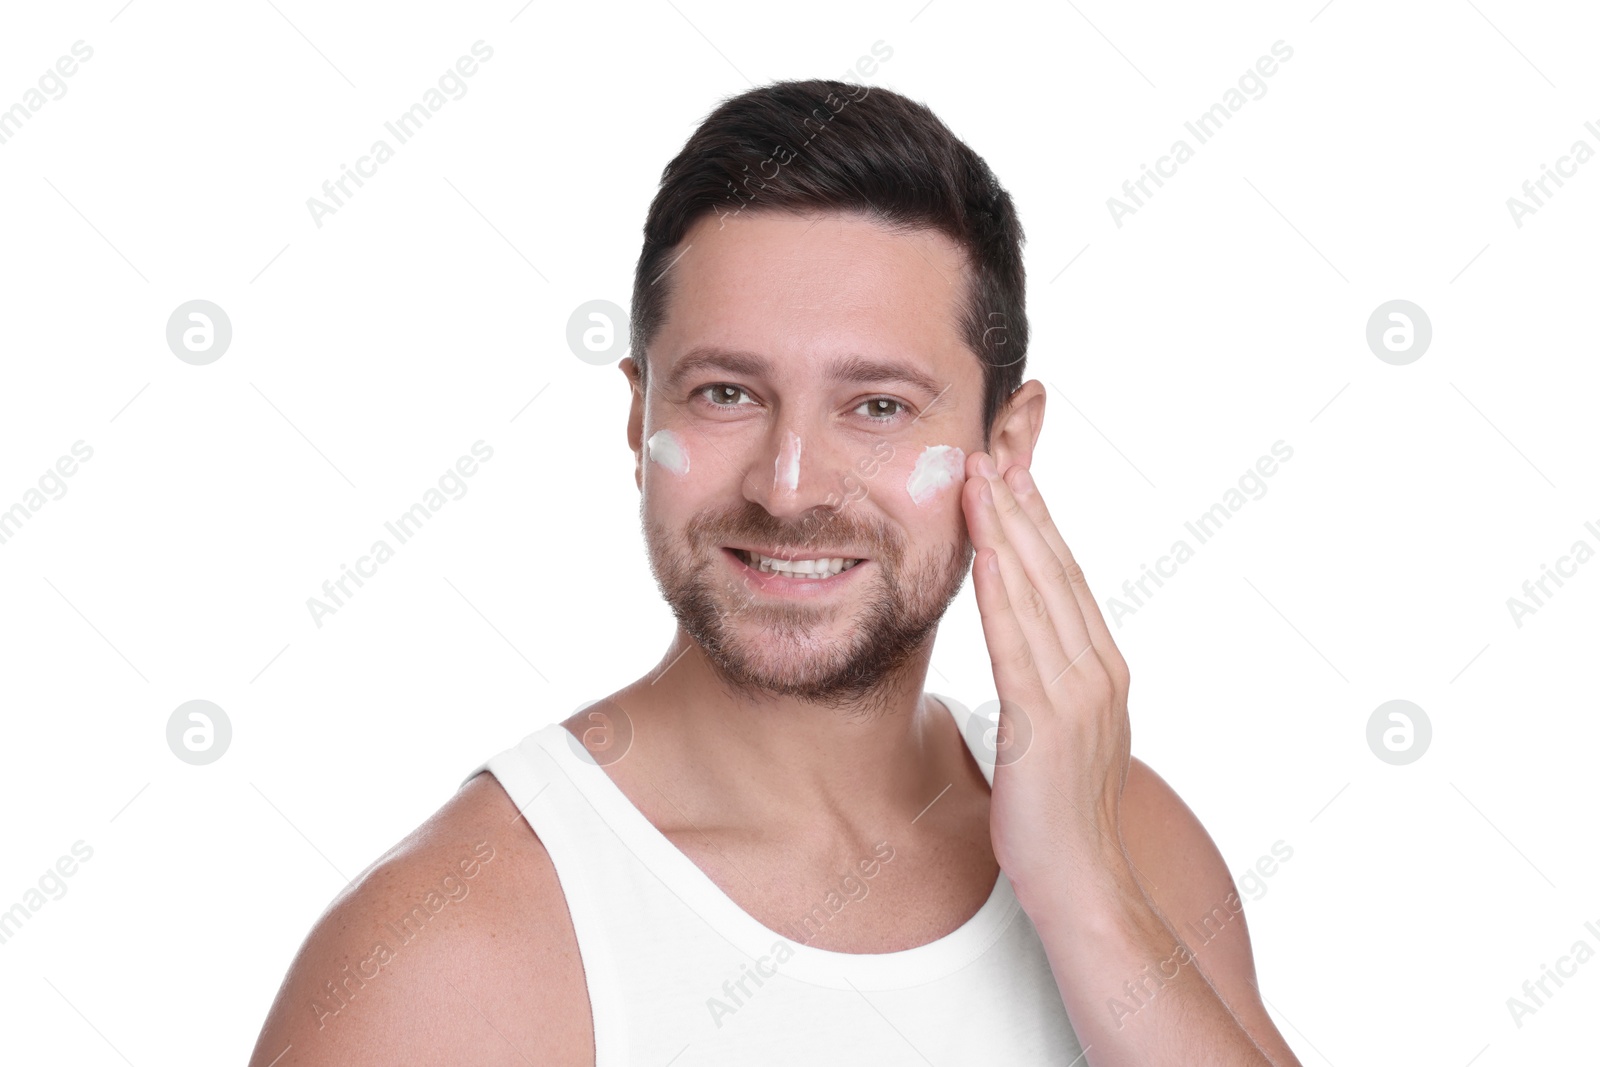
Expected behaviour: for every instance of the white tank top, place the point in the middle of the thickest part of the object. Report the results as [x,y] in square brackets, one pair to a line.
[678,973]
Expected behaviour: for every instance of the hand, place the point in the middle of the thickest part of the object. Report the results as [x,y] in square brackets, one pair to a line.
[1062,759]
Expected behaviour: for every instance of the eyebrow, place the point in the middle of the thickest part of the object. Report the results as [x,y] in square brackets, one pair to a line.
[853,369]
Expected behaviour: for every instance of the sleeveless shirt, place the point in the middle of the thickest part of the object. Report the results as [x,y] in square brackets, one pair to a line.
[678,973]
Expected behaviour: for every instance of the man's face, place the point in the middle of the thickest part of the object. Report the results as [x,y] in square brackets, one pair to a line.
[774,423]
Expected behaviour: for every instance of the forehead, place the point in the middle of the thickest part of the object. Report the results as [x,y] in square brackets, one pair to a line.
[803,289]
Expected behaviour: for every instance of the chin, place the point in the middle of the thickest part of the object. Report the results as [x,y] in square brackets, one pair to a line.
[838,670]
[779,656]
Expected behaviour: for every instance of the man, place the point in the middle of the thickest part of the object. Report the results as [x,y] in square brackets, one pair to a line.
[775,847]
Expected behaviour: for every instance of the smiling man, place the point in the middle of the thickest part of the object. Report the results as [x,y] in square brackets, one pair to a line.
[776,847]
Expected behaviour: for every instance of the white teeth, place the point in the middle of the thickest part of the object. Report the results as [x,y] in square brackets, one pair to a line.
[799,568]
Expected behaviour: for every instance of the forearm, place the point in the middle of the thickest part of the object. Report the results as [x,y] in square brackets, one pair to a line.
[1129,983]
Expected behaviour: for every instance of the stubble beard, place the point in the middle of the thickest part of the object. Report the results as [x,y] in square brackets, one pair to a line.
[762,648]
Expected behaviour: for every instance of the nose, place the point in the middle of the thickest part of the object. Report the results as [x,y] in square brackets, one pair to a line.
[789,474]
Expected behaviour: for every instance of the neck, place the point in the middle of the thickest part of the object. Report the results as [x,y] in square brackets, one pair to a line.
[774,760]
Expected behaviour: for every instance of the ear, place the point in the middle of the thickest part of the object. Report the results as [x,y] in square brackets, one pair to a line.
[635,419]
[1016,428]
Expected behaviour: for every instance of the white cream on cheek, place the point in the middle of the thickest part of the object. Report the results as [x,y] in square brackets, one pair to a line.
[667,449]
[786,468]
[938,467]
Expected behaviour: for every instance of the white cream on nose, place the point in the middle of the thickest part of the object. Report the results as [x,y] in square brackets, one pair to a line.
[786,468]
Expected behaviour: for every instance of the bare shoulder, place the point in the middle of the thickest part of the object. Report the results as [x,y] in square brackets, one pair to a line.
[1184,873]
[454,946]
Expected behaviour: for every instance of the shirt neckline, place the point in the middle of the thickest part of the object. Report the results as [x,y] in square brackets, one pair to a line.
[825,967]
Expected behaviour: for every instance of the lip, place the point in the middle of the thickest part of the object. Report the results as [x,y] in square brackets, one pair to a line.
[782,585]
[776,554]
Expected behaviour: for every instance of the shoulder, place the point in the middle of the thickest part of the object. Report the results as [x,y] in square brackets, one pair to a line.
[454,946]
[1184,873]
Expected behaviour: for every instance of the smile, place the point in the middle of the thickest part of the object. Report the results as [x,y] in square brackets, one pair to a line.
[807,570]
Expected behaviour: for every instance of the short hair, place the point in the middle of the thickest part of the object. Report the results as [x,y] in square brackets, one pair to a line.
[824,145]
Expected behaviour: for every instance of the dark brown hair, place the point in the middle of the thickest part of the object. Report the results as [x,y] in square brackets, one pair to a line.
[826,145]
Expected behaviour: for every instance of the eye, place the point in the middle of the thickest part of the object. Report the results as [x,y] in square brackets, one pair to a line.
[721,392]
[875,408]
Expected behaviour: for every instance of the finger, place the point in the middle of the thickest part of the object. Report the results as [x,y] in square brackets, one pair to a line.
[1049,577]
[1016,671]
[1023,489]
[1024,601]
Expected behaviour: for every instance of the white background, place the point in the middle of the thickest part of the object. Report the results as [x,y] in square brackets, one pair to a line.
[430,312]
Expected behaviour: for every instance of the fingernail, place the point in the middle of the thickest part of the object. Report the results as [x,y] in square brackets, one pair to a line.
[1022,482]
[986,466]
[994,563]
[985,494]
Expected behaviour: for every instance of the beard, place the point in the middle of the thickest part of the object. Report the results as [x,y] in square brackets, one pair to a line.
[764,647]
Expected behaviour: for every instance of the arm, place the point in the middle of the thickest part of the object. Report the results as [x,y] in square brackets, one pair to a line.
[492,976]
[1140,986]
[1066,808]
[1187,880]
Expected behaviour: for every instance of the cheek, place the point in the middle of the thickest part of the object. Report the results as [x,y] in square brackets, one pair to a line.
[679,474]
[667,450]
[937,472]
[671,477]
[918,488]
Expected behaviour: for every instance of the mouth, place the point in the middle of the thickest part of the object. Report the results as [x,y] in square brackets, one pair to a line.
[814,567]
